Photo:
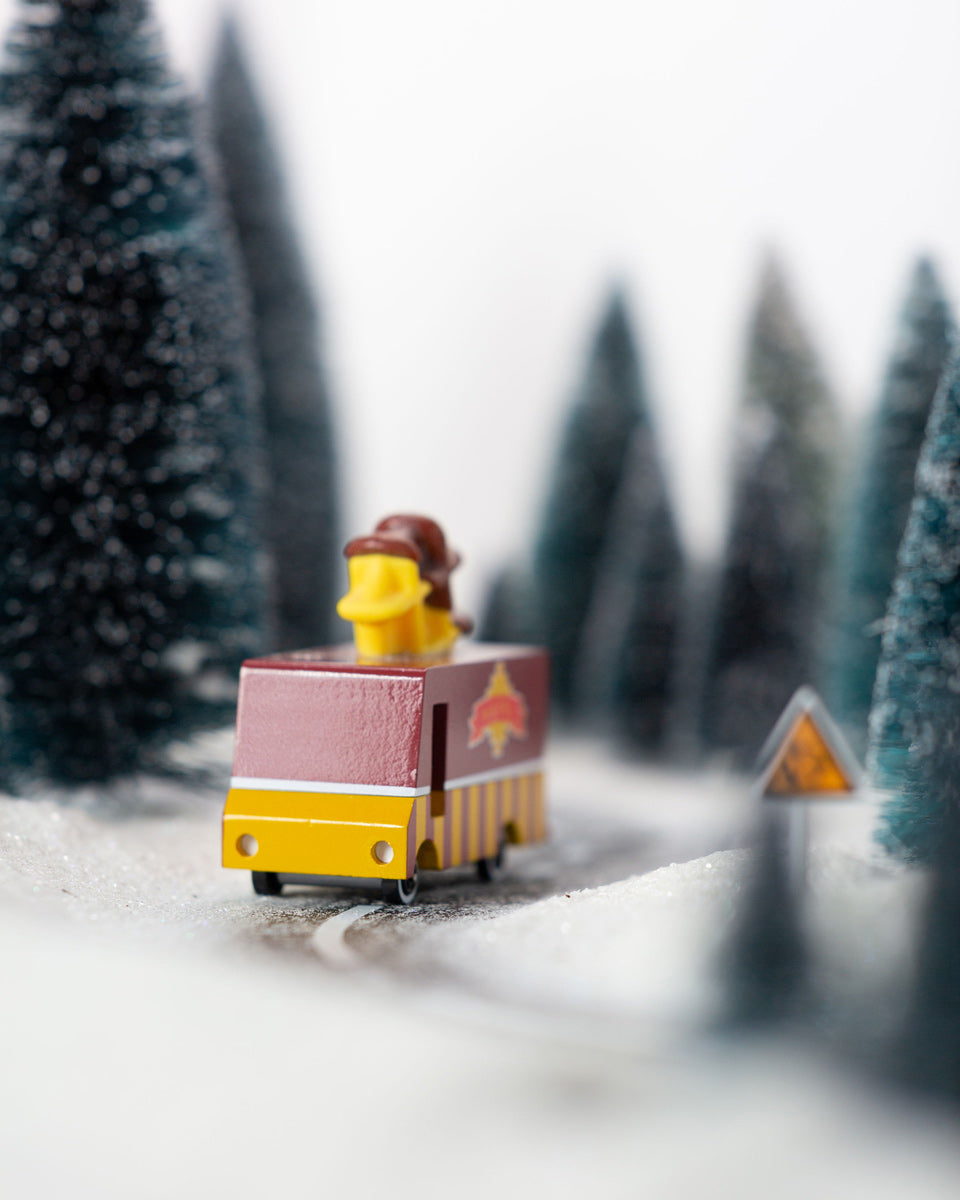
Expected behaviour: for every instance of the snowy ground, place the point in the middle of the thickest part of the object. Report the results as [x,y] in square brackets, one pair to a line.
[168,1034]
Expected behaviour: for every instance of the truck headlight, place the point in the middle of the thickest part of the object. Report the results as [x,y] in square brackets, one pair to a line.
[247,845]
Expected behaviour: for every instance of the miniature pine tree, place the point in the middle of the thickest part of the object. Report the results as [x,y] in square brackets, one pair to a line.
[766,968]
[643,682]
[920,648]
[626,660]
[301,524]
[885,489]
[768,626]
[586,478]
[508,614]
[928,1055]
[693,630]
[128,578]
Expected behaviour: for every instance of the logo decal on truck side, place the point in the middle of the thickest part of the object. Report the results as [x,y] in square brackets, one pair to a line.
[499,714]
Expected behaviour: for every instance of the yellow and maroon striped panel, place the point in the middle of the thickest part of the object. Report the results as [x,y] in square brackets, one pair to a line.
[476,816]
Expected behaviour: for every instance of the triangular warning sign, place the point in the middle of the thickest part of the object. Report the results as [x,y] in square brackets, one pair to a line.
[806,755]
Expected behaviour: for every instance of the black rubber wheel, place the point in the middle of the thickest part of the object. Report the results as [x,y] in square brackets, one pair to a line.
[401,891]
[266,883]
[490,869]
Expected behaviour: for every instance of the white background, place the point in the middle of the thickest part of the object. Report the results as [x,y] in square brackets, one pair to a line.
[469,178]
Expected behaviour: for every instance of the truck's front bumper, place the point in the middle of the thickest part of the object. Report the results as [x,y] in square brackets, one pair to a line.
[318,833]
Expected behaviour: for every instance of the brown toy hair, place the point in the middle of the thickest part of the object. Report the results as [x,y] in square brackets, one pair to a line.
[436,560]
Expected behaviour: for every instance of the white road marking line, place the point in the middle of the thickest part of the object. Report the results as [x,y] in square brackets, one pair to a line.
[328,939]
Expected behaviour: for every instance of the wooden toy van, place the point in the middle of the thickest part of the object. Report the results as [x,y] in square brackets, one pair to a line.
[347,771]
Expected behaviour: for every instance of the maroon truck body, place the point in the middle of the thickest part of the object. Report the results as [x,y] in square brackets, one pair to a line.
[333,756]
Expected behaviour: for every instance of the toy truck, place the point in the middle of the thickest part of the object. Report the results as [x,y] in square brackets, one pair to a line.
[402,753]
[346,772]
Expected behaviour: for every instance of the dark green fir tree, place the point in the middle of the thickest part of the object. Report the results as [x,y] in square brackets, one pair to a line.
[509,614]
[767,964]
[586,478]
[643,696]
[928,1053]
[920,652]
[881,501]
[627,657]
[301,522]
[129,583]
[768,629]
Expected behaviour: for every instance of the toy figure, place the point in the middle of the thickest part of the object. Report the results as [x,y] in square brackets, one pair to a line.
[399,598]
[405,752]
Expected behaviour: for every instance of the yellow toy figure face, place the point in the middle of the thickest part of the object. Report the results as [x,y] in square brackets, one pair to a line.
[385,604]
[382,587]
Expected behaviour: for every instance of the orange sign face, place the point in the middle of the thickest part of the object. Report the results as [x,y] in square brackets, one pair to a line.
[807,764]
[499,714]
[806,755]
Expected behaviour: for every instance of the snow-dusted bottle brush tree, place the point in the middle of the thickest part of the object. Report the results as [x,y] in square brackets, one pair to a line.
[586,478]
[920,653]
[626,664]
[301,523]
[880,502]
[129,578]
[768,631]
[927,1054]
[509,609]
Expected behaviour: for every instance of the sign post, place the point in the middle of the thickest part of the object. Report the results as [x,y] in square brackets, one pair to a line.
[805,757]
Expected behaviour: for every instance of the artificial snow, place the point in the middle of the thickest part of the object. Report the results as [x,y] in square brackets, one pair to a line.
[168,1033]
[651,946]
[643,946]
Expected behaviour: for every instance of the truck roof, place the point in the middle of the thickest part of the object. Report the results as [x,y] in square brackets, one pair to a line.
[320,717]
[344,658]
